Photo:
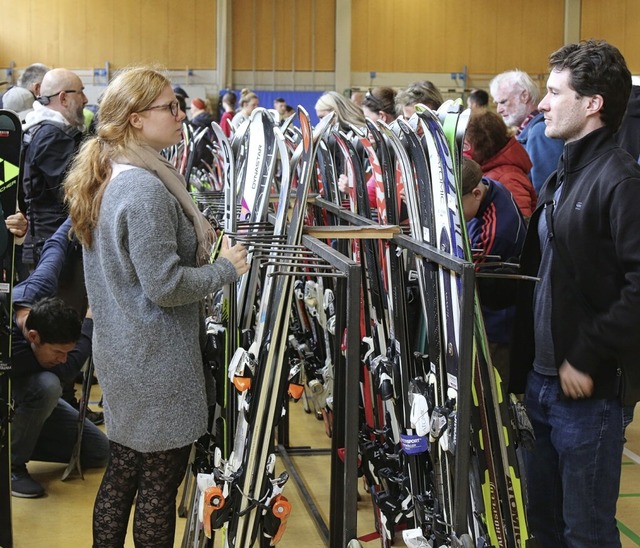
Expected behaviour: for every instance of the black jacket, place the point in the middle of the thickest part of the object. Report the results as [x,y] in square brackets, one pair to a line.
[49,149]
[628,136]
[42,283]
[595,269]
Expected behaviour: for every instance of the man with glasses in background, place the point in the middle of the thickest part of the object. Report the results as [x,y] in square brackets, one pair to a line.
[53,132]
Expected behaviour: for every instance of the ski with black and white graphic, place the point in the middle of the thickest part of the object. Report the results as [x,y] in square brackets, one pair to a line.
[10,145]
[257,170]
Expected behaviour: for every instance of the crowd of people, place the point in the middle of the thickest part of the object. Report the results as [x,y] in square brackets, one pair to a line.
[543,182]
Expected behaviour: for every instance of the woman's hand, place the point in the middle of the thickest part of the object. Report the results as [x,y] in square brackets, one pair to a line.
[236,255]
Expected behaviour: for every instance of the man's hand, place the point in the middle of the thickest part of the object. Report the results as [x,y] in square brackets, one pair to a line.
[575,383]
[236,255]
[17,224]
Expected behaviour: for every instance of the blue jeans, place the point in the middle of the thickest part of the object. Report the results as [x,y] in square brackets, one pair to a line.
[573,472]
[45,427]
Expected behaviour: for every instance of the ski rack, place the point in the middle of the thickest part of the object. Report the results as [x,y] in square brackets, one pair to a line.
[467,275]
[344,472]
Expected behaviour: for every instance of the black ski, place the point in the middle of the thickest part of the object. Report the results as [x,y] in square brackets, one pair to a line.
[10,144]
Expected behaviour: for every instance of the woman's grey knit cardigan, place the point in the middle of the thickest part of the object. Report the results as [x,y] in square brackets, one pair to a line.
[144,290]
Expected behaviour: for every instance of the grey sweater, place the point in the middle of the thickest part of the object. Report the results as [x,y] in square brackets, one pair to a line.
[144,290]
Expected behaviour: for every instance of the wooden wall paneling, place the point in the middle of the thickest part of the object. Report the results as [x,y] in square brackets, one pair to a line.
[596,18]
[126,47]
[483,33]
[527,33]
[510,40]
[424,23]
[72,32]
[302,30]
[389,51]
[154,47]
[191,34]
[103,30]
[631,49]
[15,37]
[264,34]
[543,33]
[43,34]
[201,38]
[325,35]
[175,25]
[242,35]
[179,33]
[456,44]
[618,23]
[283,39]
[362,32]
[434,36]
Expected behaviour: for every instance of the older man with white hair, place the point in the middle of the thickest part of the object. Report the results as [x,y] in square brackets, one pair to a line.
[516,97]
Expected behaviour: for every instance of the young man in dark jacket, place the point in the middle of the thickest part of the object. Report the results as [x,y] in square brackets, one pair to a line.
[49,346]
[577,341]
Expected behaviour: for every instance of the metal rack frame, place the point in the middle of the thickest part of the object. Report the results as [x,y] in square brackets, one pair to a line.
[344,473]
[466,271]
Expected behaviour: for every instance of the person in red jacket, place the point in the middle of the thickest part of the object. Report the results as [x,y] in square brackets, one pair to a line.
[501,157]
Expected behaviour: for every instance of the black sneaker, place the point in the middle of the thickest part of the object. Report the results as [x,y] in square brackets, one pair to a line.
[23,485]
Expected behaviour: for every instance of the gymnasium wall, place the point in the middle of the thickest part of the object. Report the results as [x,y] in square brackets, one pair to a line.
[84,34]
[290,44]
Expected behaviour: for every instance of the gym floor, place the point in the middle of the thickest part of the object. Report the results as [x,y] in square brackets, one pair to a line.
[63,517]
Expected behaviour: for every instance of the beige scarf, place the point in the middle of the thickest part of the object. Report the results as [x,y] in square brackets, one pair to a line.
[146,157]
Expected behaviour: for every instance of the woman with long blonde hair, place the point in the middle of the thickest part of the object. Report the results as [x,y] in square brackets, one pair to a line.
[347,112]
[146,261]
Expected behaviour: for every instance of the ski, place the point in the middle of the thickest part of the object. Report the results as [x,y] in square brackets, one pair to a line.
[10,145]
[489,394]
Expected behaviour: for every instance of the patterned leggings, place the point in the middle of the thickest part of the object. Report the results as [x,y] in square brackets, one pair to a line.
[155,478]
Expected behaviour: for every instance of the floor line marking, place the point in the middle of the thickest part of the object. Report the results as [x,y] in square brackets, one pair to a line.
[630,454]
[628,533]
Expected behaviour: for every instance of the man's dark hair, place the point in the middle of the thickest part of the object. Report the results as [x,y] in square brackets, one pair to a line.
[480,97]
[597,68]
[55,321]
[279,100]
[381,99]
